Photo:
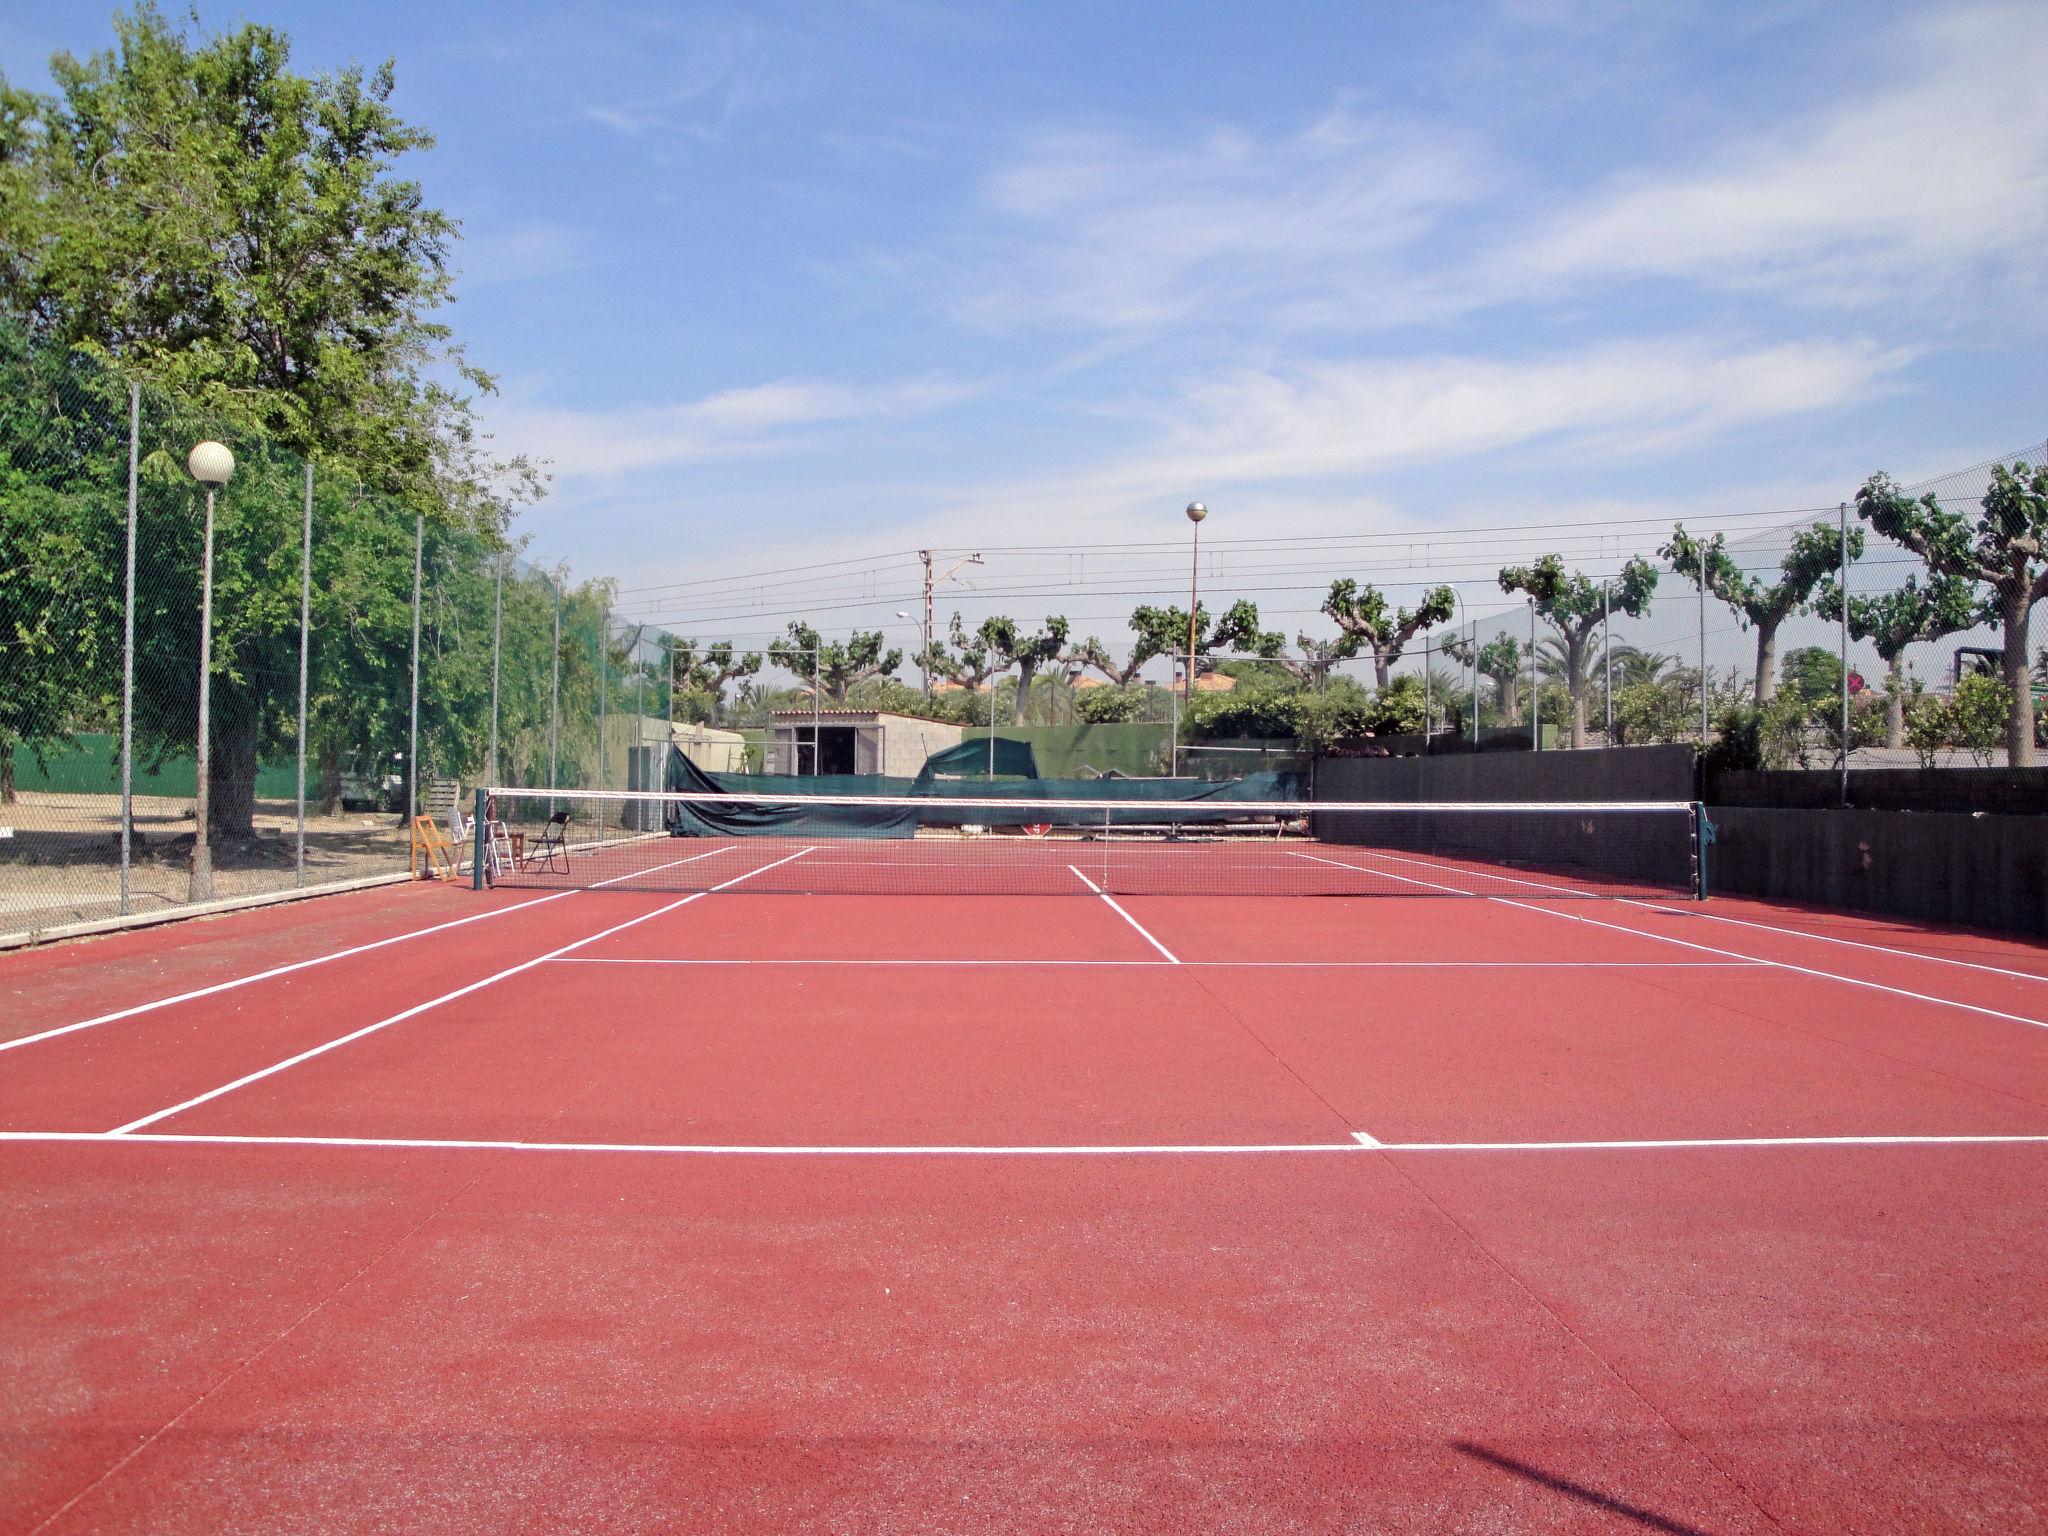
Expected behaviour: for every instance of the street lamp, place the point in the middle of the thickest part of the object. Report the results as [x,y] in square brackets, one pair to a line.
[210,464]
[1196,512]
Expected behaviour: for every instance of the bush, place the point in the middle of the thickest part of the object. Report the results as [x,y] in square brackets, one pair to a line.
[1738,744]
[1972,718]
[1649,712]
[1110,706]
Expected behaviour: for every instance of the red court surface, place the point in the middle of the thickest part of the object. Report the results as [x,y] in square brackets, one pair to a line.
[611,1210]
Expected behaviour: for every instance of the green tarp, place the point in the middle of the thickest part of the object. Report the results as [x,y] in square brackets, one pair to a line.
[1153,802]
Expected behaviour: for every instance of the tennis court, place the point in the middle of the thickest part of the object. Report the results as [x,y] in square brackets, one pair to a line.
[965,1184]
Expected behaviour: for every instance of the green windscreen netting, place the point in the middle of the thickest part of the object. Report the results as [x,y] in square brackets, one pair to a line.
[765,801]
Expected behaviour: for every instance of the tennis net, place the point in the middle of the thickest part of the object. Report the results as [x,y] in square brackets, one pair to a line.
[818,844]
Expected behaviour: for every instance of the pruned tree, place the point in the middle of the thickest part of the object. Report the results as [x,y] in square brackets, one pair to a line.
[1028,653]
[835,664]
[2002,547]
[1816,552]
[1092,655]
[1361,611]
[1319,658]
[1905,616]
[971,658]
[1503,660]
[1576,607]
[711,670]
[1164,632]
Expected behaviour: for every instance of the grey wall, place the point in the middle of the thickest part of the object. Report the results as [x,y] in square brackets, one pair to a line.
[2005,791]
[1979,870]
[1611,773]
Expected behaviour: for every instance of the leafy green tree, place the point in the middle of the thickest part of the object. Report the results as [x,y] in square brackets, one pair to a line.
[61,444]
[197,212]
[2002,547]
[1361,612]
[1164,632]
[1028,653]
[705,672]
[973,656]
[1906,615]
[1816,553]
[1503,661]
[839,664]
[1319,658]
[1576,607]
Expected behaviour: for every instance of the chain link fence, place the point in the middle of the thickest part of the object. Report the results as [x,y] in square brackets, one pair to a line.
[363,652]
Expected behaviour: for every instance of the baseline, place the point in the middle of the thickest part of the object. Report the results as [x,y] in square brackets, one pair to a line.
[1360,1141]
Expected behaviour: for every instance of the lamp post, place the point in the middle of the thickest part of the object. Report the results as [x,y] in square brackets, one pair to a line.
[1535,696]
[1196,512]
[210,464]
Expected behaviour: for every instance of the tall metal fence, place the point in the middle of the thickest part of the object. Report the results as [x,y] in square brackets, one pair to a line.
[361,649]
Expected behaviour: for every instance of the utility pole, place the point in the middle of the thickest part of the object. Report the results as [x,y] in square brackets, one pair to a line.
[931,583]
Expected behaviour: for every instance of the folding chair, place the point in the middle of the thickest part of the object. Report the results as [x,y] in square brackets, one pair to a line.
[553,841]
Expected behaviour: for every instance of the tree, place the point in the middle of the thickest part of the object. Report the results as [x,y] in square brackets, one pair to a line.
[710,671]
[1026,652]
[1576,607]
[196,212]
[971,660]
[1905,616]
[1319,658]
[2001,548]
[1815,553]
[1164,632]
[1503,660]
[1361,612]
[837,665]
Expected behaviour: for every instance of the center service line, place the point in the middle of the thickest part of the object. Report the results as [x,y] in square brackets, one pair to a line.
[1120,912]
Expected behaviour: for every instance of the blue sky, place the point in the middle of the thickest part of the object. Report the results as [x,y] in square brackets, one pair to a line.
[777,284]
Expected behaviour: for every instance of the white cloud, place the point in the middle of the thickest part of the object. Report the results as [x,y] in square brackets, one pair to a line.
[1358,416]
[1099,231]
[519,253]
[1919,174]
[615,442]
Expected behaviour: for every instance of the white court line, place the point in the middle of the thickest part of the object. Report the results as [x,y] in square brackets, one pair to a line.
[1361,1142]
[1828,938]
[1449,869]
[1120,912]
[300,965]
[1783,965]
[446,997]
[1367,869]
[1295,965]
[1711,949]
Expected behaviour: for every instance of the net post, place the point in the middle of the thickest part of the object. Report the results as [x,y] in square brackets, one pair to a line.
[476,868]
[1702,835]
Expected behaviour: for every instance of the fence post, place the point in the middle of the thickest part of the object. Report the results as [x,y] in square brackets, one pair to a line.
[128,653]
[412,751]
[1703,647]
[604,667]
[1607,659]
[305,634]
[555,694]
[1427,704]
[1842,532]
[1535,689]
[1173,718]
[497,640]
